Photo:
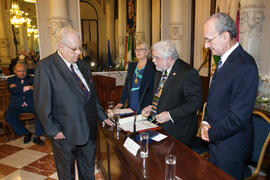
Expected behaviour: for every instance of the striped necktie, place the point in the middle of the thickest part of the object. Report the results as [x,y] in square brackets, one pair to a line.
[158,93]
[79,81]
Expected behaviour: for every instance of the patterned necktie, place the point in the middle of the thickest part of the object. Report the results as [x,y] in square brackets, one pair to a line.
[158,93]
[219,65]
[79,81]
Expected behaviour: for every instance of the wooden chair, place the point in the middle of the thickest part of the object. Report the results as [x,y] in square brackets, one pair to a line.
[4,101]
[6,71]
[107,90]
[261,140]
[198,145]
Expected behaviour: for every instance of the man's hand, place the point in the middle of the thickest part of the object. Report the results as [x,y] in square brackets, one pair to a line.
[108,122]
[12,85]
[60,135]
[204,132]
[118,106]
[163,117]
[146,111]
[27,88]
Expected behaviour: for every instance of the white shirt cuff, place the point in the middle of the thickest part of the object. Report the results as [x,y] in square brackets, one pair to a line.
[204,122]
[170,117]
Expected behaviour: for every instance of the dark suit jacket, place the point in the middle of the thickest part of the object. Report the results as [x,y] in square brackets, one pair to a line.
[146,82]
[17,96]
[182,97]
[229,106]
[60,103]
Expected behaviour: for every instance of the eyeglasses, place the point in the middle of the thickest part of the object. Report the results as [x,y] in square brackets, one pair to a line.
[74,49]
[141,49]
[156,57]
[208,40]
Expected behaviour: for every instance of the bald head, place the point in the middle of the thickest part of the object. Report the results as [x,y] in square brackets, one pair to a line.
[20,70]
[69,44]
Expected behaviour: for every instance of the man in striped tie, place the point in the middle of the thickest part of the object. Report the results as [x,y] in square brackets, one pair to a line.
[178,93]
[68,107]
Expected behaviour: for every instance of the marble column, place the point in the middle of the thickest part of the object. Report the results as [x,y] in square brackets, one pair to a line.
[147,16]
[4,42]
[57,20]
[155,21]
[251,22]
[121,30]
[176,25]
[109,8]
[250,34]
[140,34]
[23,39]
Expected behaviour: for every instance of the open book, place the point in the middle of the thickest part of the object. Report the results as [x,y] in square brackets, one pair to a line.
[141,124]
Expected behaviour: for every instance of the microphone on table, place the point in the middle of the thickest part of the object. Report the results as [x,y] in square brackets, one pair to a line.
[134,133]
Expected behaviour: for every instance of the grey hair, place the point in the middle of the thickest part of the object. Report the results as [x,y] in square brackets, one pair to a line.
[165,49]
[224,23]
[62,34]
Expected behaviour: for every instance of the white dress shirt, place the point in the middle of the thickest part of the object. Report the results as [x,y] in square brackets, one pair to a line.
[76,69]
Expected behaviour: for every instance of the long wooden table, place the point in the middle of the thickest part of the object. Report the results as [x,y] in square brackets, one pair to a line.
[189,164]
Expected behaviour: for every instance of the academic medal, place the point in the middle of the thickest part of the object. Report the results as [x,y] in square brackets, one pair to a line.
[136,80]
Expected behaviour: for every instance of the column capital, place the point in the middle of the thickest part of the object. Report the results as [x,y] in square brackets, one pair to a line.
[140,36]
[176,31]
[54,25]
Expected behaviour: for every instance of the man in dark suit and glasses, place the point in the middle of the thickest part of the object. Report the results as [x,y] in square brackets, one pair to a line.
[68,107]
[178,93]
[227,121]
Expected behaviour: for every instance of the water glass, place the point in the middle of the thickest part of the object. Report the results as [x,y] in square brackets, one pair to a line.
[110,105]
[144,140]
[110,109]
[170,165]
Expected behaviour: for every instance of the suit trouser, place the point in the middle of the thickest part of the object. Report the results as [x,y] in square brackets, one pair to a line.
[234,168]
[65,156]
[12,118]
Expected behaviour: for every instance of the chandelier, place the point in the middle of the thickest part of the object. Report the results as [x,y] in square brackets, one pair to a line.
[17,18]
[31,1]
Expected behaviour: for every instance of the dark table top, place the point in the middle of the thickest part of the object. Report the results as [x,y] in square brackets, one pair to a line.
[189,165]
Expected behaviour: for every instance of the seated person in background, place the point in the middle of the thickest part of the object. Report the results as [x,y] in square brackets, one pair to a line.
[139,80]
[21,101]
[178,93]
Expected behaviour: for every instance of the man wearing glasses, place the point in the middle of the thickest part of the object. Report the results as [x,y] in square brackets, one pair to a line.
[227,124]
[68,107]
[178,93]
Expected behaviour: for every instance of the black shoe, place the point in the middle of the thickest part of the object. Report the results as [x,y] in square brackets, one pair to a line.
[27,138]
[38,141]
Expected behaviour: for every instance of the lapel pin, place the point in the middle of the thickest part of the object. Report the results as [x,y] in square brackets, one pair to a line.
[174,74]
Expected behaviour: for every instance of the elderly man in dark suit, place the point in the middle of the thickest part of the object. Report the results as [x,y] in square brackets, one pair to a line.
[228,117]
[21,101]
[68,107]
[178,93]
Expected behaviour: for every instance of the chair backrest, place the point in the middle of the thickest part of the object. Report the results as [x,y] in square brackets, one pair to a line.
[261,138]
[200,123]
[4,96]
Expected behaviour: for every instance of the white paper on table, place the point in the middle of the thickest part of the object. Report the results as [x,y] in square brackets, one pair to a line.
[130,119]
[159,137]
[127,123]
[131,146]
[122,111]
